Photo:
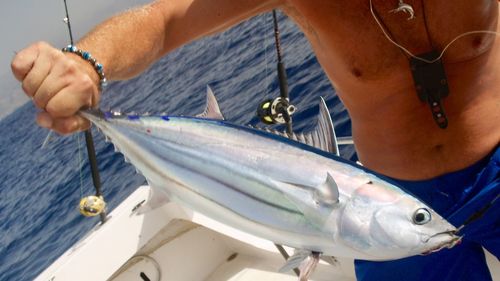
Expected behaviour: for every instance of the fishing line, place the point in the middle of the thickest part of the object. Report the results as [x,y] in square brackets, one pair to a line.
[478,214]
[496,33]
[266,80]
[264,43]
[80,158]
[88,139]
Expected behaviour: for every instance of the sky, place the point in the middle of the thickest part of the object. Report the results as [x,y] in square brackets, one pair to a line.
[23,22]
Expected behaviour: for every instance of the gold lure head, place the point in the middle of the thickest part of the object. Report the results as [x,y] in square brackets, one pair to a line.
[92,205]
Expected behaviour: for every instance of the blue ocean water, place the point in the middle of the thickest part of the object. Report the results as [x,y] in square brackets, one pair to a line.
[40,188]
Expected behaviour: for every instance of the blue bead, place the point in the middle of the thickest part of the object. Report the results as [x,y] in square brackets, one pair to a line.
[98,66]
[86,55]
[72,49]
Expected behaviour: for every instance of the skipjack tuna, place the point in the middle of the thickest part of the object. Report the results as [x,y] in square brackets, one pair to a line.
[276,187]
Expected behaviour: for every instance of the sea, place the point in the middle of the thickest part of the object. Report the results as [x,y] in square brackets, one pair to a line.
[40,188]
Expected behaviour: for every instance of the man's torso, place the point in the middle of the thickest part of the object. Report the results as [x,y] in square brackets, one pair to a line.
[394,131]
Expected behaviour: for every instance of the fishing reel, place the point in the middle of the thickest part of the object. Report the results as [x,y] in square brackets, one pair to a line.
[92,205]
[277,111]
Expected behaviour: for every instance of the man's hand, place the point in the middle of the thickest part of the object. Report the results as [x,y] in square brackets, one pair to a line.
[60,84]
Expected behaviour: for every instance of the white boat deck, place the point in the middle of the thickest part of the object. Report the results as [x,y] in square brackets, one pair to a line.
[174,243]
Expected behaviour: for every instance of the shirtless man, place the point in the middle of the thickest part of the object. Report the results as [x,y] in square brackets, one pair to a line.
[395,132]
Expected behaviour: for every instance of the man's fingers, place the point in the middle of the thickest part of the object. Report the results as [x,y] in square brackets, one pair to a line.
[71,99]
[43,119]
[24,60]
[65,87]
[37,74]
[70,125]
[52,85]
[64,126]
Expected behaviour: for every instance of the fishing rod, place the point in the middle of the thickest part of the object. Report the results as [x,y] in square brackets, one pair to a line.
[278,110]
[91,205]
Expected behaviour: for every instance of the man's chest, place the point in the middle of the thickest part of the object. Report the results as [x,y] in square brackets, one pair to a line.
[375,38]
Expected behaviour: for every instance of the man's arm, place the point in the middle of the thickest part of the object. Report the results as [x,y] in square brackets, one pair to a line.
[62,83]
[145,34]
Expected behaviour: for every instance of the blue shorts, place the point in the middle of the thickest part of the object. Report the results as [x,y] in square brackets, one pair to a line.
[455,196]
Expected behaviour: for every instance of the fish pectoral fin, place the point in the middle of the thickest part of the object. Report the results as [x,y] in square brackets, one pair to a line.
[327,193]
[304,202]
[315,203]
[212,110]
[295,260]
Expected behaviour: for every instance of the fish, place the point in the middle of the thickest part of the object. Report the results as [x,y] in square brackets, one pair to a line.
[290,189]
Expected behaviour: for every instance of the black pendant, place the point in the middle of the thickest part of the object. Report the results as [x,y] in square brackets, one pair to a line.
[431,84]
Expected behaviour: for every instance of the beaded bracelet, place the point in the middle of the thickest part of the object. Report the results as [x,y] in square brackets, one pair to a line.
[88,57]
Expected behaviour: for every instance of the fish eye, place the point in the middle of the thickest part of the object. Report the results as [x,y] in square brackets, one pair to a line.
[421,216]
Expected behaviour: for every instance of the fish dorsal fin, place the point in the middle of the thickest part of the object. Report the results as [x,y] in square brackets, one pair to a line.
[212,110]
[322,137]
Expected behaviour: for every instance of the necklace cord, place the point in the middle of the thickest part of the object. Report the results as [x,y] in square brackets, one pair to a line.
[406,51]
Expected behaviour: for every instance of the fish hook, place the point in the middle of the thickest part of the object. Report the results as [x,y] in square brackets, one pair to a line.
[406,8]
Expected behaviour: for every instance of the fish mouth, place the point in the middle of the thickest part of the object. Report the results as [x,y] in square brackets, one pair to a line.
[455,240]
